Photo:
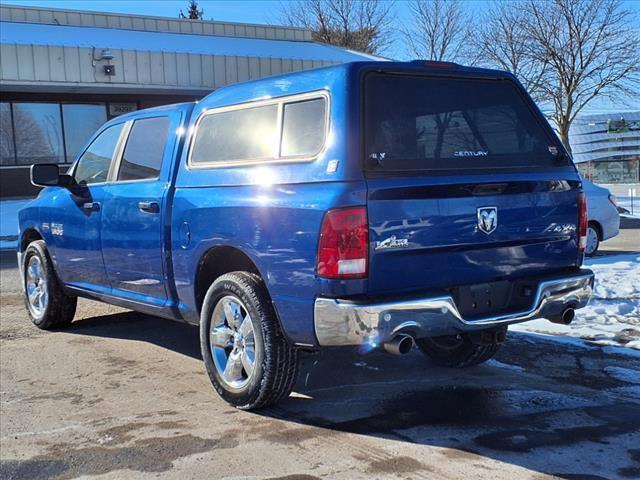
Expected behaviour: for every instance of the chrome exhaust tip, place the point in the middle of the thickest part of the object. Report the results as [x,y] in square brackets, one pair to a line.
[566,317]
[400,345]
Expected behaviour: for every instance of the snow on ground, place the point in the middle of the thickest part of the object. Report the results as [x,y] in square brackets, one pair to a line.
[612,317]
[9,222]
[631,205]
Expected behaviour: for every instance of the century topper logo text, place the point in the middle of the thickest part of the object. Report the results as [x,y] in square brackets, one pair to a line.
[470,153]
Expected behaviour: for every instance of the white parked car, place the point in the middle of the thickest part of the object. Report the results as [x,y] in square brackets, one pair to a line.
[602,214]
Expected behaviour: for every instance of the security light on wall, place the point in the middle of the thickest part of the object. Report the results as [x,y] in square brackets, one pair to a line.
[106,54]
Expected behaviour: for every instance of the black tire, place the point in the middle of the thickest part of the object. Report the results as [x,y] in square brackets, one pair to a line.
[456,351]
[58,308]
[276,362]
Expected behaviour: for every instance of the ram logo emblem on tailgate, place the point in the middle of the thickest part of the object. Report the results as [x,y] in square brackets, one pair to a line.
[487,219]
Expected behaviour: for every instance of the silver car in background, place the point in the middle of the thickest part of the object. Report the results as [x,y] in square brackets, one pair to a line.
[602,214]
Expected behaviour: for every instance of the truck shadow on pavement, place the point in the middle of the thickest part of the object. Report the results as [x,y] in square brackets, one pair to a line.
[178,337]
[543,405]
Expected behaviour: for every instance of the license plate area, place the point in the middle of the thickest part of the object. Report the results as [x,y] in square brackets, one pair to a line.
[493,298]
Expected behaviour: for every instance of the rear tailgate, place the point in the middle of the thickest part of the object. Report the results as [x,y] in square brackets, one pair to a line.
[427,236]
[466,185]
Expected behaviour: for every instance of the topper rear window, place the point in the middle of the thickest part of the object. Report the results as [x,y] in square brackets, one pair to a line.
[436,123]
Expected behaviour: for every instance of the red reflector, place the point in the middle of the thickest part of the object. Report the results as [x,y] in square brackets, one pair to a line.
[344,244]
[582,222]
[434,64]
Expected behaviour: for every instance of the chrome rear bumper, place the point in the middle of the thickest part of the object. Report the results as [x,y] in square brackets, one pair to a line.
[341,322]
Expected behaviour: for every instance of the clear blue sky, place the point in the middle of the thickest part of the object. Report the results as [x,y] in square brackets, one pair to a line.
[250,11]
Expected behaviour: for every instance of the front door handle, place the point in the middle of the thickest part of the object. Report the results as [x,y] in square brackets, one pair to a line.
[149,207]
[91,206]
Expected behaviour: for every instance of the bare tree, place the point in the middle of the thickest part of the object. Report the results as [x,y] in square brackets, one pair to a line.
[438,30]
[361,25]
[591,49]
[36,141]
[502,40]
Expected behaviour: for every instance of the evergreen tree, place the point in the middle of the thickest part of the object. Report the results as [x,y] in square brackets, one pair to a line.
[193,13]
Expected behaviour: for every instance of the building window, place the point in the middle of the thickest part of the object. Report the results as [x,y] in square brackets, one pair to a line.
[80,122]
[614,171]
[38,133]
[7,150]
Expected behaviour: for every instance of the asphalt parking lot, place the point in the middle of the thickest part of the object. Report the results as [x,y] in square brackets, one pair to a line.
[628,240]
[124,395]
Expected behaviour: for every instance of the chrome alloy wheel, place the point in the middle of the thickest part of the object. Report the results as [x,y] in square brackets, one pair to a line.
[233,343]
[36,286]
[592,241]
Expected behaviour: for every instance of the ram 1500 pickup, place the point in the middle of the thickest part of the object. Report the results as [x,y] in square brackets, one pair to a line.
[372,204]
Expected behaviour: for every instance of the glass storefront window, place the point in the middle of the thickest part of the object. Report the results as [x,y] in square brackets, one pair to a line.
[38,133]
[7,153]
[80,123]
[624,171]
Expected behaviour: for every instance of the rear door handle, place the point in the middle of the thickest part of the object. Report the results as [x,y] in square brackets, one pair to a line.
[149,207]
[91,206]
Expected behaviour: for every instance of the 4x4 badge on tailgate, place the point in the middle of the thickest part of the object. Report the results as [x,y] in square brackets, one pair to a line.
[487,219]
[392,242]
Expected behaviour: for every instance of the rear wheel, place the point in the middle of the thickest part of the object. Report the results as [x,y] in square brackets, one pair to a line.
[249,361]
[457,351]
[593,240]
[48,305]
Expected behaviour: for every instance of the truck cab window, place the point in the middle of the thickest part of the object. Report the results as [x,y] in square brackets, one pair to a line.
[93,166]
[142,158]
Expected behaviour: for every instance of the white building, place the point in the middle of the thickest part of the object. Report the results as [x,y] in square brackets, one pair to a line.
[606,147]
[63,73]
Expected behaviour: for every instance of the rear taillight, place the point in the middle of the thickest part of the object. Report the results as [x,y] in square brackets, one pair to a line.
[344,244]
[582,222]
[613,200]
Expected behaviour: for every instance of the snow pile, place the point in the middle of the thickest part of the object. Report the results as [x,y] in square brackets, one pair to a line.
[613,314]
[632,205]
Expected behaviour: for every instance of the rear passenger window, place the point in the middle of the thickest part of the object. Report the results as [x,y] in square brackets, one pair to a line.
[303,128]
[244,134]
[142,157]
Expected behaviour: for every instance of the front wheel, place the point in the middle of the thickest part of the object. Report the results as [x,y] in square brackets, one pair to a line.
[457,351]
[48,305]
[250,363]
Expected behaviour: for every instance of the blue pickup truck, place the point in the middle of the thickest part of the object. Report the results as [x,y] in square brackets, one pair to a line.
[371,205]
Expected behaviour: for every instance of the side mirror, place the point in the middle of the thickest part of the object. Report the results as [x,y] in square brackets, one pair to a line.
[48,175]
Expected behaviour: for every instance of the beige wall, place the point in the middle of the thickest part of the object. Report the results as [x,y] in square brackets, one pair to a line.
[53,16]
[39,65]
